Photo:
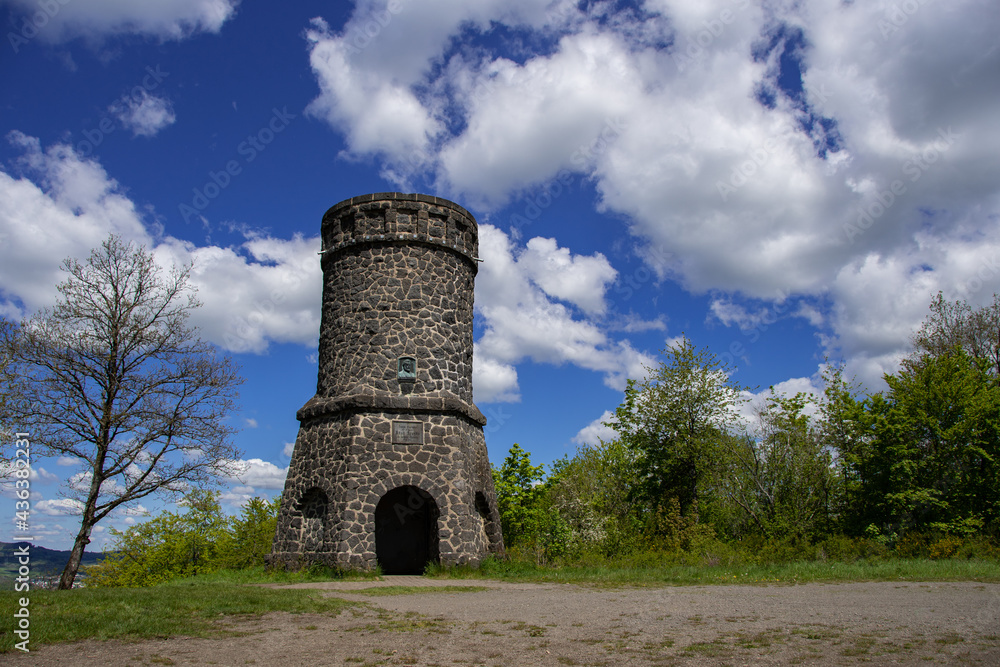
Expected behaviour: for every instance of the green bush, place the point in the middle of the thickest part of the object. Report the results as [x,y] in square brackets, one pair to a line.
[200,540]
[845,549]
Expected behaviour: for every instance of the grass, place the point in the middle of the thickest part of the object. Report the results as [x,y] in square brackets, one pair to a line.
[185,607]
[260,575]
[379,591]
[772,573]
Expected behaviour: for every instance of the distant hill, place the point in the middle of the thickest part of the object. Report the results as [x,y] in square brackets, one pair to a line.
[44,562]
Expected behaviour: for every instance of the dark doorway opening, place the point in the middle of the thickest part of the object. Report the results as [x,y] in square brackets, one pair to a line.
[406,533]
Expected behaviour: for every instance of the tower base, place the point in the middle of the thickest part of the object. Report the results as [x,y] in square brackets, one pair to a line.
[390,481]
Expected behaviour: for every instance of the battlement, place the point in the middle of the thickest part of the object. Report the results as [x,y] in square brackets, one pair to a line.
[396,217]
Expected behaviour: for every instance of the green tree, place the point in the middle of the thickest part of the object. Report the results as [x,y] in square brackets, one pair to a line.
[530,524]
[592,492]
[781,475]
[250,535]
[115,378]
[167,546]
[519,492]
[936,450]
[843,424]
[677,420]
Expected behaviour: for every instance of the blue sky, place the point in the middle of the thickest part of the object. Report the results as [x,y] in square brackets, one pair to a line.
[783,182]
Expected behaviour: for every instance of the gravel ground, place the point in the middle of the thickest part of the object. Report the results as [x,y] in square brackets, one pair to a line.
[560,624]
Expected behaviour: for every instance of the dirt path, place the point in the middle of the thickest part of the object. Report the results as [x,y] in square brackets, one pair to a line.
[542,624]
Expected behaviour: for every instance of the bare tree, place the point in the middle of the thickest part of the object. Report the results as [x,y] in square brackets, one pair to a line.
[116,378]
[958,324]
[9,381]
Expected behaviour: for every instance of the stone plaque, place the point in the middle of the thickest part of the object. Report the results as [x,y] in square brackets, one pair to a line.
[407,433]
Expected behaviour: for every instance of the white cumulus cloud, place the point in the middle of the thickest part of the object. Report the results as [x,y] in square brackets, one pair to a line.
[593,433]
[59,507]
[522,320]
[56,204]
[144,114]
[97,19]
[856,195]
[260,474]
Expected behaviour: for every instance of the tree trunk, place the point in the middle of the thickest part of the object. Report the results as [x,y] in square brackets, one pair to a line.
[76,556]
[87,522]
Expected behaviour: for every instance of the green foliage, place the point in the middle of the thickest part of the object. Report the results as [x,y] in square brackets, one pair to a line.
[957,325]
[676,421]
[911,471]
[667,530]
[781,476]
[250,534]
[202,539]
[517,495]
[933,460]
[591,492]
[527,519]
[843,421]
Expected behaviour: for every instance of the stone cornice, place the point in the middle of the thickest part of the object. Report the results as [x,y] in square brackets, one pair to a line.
[400,239]
[321,406]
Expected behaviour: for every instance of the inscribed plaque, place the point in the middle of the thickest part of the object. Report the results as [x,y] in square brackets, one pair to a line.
[407,433]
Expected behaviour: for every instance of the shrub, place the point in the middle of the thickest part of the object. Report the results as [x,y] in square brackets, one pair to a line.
[198,541]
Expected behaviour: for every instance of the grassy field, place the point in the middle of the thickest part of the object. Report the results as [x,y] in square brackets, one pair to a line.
[192,608]
[772,573]
[210,605]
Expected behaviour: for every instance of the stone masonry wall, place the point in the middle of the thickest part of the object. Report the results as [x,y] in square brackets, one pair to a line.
[399,275]
[351,461]
[398,281]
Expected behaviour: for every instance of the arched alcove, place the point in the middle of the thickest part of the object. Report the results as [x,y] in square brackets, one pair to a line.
[314,506]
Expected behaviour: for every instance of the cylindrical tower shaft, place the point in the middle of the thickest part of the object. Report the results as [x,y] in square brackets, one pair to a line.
[390,466]
[398,282]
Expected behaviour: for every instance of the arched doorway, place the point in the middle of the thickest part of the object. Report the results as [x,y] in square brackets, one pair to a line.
[406,533]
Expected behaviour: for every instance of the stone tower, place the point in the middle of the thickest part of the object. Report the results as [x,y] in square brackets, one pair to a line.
[390,463]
